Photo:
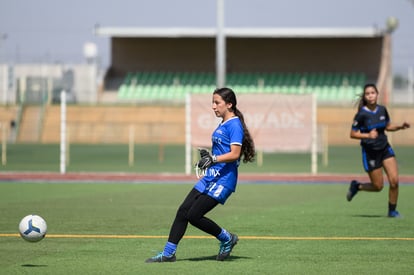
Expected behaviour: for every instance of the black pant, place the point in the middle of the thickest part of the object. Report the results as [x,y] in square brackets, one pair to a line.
[192,210]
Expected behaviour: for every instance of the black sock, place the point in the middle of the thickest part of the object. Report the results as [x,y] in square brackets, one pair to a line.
[392,207]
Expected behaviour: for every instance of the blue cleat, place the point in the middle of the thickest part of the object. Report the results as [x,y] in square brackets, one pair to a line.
[227,247]
[394,214]
[353,190]
[160,258]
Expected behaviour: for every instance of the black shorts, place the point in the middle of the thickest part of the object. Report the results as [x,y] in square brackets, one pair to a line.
[372,159]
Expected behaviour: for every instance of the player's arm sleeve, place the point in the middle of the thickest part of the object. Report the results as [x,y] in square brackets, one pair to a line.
[387,116]
[356,124]
[236,134]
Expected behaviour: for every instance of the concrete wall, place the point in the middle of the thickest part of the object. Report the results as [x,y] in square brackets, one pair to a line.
[338,123]
[162,124]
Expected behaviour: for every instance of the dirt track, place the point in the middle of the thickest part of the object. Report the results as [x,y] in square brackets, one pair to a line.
[180,178]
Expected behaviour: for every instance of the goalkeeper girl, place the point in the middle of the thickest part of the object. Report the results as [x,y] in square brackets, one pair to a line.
[369,126]
[231,142]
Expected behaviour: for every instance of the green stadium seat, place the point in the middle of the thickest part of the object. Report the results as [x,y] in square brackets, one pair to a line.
[122,92]
[181,93]
[164,86]
[268,89]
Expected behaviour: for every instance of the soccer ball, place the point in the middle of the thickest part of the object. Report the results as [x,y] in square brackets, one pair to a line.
[33,228]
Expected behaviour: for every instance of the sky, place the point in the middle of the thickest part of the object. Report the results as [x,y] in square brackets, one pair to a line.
[55,31]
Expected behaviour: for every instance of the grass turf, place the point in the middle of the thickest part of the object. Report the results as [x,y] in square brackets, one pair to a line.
[283,229]
[171,159]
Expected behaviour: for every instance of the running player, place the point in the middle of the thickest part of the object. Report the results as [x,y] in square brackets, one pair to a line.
[370,124]
[230,141]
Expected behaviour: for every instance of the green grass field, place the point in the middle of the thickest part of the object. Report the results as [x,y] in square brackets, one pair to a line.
[284,229]
[114,158]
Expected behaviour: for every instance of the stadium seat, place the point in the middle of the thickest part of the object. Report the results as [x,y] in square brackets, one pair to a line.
[164,86]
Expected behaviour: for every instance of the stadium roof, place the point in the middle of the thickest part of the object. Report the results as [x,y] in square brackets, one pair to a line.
[239,32]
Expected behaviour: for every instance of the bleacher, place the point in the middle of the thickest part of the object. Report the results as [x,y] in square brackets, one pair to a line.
[173,86]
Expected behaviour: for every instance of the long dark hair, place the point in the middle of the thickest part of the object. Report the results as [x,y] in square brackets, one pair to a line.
[247,150]
[362,101]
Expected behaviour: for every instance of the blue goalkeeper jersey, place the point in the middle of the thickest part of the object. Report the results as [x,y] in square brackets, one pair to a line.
[223,175]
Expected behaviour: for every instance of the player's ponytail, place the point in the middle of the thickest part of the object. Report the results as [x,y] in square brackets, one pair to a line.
[248,149]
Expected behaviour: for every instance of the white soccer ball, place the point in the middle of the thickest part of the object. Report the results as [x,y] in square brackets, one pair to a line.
[33,228]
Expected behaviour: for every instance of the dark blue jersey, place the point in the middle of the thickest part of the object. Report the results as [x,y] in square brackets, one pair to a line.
[366,120]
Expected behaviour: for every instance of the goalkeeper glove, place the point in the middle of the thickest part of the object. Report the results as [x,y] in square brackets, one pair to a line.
[203,152]
[206,159]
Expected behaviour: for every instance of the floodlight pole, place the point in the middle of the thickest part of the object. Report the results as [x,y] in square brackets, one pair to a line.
[63,132]
[410,85]
[391,26]
[220,46]
[4,74]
